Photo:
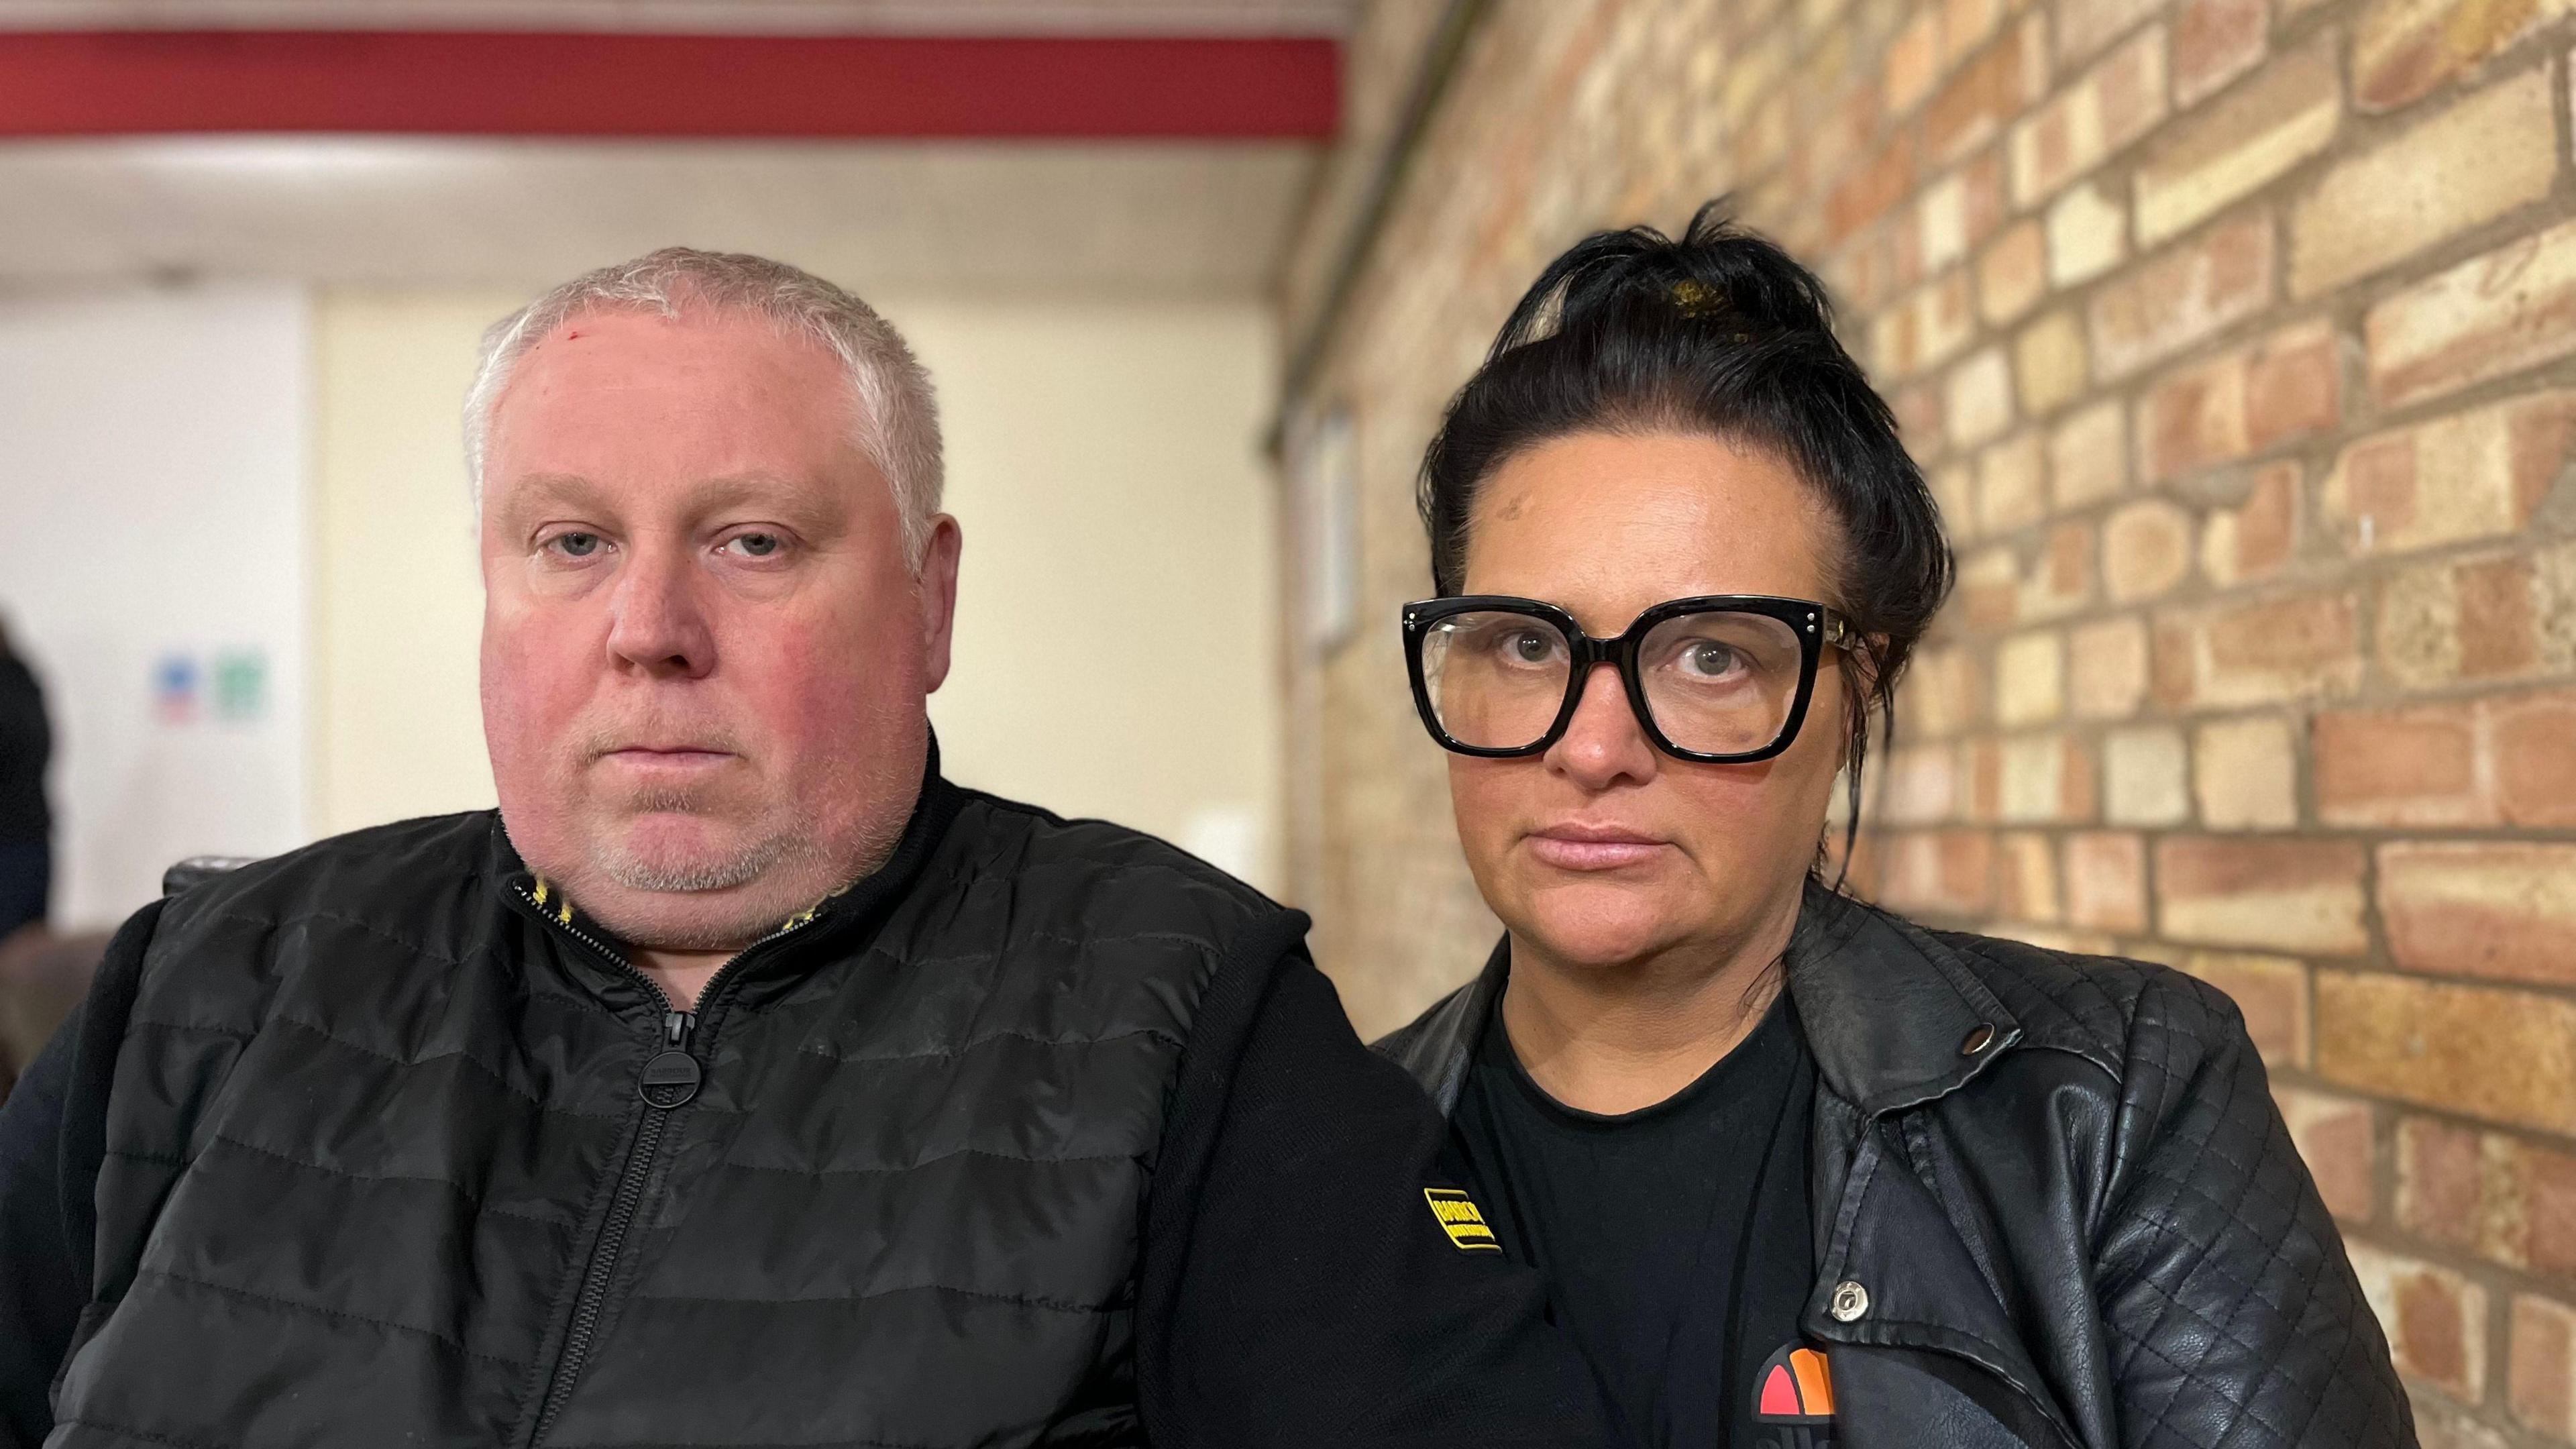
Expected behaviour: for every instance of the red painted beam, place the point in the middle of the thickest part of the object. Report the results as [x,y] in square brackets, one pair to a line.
[446,83]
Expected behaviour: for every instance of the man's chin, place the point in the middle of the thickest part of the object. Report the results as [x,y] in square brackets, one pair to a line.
[688,884]
[686,875]
[698,920]
[686,854]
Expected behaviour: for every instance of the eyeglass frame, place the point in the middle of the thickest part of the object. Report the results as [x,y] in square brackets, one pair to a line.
[1815,625]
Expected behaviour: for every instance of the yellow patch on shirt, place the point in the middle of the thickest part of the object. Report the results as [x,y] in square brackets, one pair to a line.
[1461,1220]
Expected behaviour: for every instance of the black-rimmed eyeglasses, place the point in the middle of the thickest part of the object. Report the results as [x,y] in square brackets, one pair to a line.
[1720,678]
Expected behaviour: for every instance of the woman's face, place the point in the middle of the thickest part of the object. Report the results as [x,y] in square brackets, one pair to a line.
[1604,850]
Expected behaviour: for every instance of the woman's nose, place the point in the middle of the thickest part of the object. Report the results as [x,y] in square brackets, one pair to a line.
[1604,742]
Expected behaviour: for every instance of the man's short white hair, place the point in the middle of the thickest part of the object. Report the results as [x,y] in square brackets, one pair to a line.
[897,416]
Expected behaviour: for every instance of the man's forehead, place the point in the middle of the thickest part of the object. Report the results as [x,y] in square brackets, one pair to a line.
[726,488]
[625,345]
[819,505]
[623,412]
[625,381]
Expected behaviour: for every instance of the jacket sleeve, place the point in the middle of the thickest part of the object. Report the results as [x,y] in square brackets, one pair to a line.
[53,1136]
[2232,1312]
[1296,1288]
[41,1290]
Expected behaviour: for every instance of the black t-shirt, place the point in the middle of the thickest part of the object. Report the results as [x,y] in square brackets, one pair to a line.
[1676,1240]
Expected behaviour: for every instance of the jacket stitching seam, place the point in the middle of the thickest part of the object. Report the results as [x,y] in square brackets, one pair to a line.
[459,1054]
[920,1163]
[283,923]
[973,1043]
[316,1309]
[1030,1301]
[146,1434]
[793,1444]
[2242,1408]
[235,1033]
[473,1199]
[1203,947]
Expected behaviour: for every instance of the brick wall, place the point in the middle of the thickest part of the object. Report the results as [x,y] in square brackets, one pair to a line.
[2240,339]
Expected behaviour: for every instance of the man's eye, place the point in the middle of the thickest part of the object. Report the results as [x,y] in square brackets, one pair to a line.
[575,545]
[757,545]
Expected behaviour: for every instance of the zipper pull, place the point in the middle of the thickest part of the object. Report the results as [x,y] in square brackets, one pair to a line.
[672,1077]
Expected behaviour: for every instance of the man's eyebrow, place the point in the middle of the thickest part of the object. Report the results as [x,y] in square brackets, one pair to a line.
[537,489]
[788,501]
[733,489]
[780,498]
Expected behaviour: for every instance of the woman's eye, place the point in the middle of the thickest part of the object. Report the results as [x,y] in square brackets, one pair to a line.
[1711,660]
[1529,646]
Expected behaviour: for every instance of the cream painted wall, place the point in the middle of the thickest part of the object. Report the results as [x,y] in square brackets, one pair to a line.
[152,466]
[1115,653]
[1115,637]
[397,729]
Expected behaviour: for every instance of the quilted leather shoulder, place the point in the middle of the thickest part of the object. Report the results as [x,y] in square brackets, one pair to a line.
[2123,1015]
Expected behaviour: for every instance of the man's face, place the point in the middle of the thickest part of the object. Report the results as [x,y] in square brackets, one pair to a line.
[705,657]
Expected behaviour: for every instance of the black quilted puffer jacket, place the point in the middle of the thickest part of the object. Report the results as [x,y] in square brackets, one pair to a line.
[1045,1134]
[2055,1204]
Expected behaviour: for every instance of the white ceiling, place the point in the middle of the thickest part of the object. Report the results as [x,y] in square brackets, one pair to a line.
[1131,218]
[948,17]
[1125,218]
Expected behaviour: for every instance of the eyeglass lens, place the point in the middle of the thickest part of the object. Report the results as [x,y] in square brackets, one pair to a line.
[1717,682]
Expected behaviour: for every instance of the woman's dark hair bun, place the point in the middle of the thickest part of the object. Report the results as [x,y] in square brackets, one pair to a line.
[1639,275]
[1718,332]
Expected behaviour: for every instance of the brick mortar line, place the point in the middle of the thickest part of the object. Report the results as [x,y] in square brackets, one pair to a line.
[2501,1281]
[2127,944]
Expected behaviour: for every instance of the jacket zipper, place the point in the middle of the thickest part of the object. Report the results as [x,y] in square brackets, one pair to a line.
[674,1068]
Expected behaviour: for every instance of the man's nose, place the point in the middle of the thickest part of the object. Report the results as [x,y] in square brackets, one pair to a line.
[1604,743]
[655,620]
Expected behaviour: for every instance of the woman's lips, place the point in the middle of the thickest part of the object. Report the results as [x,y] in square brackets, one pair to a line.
[1593,847]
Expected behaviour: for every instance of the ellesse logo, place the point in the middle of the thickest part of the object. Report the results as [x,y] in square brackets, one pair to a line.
[1796,1388]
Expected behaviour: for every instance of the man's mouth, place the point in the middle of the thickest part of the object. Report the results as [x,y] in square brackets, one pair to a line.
[667,757]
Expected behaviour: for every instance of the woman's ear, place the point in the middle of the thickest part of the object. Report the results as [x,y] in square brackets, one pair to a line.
[1862,662]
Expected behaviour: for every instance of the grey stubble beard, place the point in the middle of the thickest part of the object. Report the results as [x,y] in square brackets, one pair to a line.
[793,839]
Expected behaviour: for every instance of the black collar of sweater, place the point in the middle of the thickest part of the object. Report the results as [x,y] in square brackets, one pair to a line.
[831,927]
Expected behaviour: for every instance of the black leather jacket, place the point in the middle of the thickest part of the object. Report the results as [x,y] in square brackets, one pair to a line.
[2055,1204]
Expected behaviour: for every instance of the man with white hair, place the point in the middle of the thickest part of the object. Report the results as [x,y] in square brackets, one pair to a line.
[740,1081]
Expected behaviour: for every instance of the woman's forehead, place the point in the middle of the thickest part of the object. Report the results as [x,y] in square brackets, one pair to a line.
[1608,519]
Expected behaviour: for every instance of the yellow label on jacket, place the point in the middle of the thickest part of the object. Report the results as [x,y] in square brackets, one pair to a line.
[1460,1219]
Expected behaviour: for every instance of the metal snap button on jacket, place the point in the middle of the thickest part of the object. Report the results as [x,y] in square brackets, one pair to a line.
[1850,1301]
[1978,1040]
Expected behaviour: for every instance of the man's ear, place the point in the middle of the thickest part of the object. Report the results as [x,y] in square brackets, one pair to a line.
[936,586]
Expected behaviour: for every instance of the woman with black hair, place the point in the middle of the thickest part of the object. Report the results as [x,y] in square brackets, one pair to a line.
[1798,1171]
